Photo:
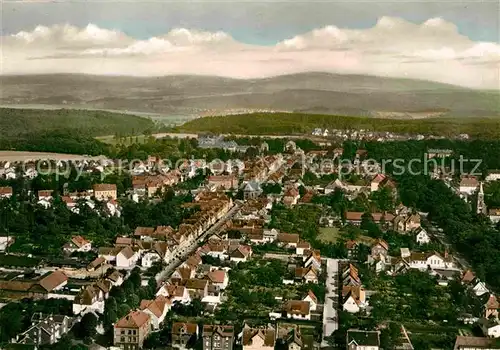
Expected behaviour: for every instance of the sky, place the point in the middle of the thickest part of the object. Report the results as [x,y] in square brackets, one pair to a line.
[456,42]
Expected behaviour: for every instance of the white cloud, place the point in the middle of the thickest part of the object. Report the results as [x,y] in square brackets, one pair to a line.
[433,50]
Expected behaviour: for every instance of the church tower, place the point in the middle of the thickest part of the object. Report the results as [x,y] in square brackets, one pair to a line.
[481,206]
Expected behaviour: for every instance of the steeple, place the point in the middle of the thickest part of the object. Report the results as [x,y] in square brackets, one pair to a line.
[481,206]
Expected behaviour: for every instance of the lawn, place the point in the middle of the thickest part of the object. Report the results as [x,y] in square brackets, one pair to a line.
[329,234]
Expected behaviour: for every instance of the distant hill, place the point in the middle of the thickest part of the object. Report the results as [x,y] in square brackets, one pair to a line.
[297,123]
[16,123]
[204,95]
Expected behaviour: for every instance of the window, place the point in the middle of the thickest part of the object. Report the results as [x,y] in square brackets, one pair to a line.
[122,332]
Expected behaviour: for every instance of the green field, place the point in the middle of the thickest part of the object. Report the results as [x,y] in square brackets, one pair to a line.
[295,123]
[329,234]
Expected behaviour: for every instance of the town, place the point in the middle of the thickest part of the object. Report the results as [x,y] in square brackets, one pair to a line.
[257,251]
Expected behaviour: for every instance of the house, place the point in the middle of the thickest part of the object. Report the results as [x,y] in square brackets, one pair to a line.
[301,246]
[78,244]
[289,337]
[380,247]
[116,278]
[291,197]
[491,307]
[312,258]
[422,237]
[218,278]
[258,338]
[353,298]
[475,343]
[493,175]
[252,190]
[6,192]
[90,298]
[175,293]
[297,309]
[105,191]
[480,288]
[306,274]
[490,327]
[312,300]
[270,235]
[53,281]
[218,337]
[407,223]
[241,253]
[97,263]
[494,215]
[363,340]
[184,335]
[197,288]
[468,185]
[352,249]
[432,260]
[156,309]
[45,195]
[350,276]
[45,330]
[6,242]
[131,330]
[227,182]
[126,258]
[289,240]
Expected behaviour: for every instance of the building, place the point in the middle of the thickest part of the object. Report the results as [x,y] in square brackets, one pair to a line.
[468,185]
[475,343]
[297,309]
[184,335]
[481,206]
[258,338]
[156,309]
[45,329]
[77,244]
[422,237]
[131,330]
[490,327]
[493,175]
[105,191]
[6,192]
[227,182]
[353,298]
[126,258]
[217,337]
[363,340]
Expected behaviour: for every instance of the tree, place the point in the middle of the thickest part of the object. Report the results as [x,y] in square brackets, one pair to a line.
[88,326]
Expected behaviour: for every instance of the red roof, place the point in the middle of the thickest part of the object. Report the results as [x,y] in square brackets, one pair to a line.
[135,319]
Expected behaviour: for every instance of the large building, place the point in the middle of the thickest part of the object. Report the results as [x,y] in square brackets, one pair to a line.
[217,337]
[105,191]
[131,330]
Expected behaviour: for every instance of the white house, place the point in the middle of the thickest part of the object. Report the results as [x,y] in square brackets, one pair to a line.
[422,236]
[468,185]
[126,258]
[363,340]
[490,328]
[434,260]
[218,278]
[301,246]
[5,242]
[480,288]
[493,176]
[312,300]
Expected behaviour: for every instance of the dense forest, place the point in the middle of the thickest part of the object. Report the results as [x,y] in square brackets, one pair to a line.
[15,122]
[294,123]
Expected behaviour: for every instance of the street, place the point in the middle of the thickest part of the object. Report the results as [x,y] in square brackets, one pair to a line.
[178,260]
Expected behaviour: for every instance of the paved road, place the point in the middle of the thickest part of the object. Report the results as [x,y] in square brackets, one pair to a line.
[330,314]
[169,269]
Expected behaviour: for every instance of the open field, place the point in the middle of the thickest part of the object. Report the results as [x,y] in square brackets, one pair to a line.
[19,156]
[329,234]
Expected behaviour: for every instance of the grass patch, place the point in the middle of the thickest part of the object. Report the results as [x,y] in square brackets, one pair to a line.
[329,234]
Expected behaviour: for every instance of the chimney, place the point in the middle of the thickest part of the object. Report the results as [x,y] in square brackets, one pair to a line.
[446,253]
